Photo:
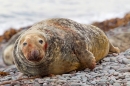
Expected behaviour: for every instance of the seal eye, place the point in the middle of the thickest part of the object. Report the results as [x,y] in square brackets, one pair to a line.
[24,44]
[40,41]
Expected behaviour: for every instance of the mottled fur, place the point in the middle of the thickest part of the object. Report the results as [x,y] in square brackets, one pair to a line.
[70,46]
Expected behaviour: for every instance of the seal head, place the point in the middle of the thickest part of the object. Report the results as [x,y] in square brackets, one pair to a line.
[33,47]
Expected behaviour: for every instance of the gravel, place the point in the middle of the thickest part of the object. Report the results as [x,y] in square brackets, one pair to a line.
[112,71]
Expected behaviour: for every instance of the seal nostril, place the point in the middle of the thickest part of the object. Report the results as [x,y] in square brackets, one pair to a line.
[34,54]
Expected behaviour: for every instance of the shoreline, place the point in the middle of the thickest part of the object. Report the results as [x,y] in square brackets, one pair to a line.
[104,25]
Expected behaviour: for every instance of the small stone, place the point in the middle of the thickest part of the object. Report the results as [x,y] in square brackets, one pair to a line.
[127,52]
[75,78]
[28,81]
[112,59]
[84,79]
[102,82]
[115,73]
[8,78]
[36,84]
[116,84]
[17,85]
[128,57]
[14,78]
[45,84]
[40,80]
[114,67]
[125,61]
[127,69]
[66,75]
[52,80]
[61,81]
[113,78]
[111,82]
[128,83]
[93,82]
[63,78]
[121,76]
[75,81]
[76,84]
[87,70]
[111,71]
[106,59]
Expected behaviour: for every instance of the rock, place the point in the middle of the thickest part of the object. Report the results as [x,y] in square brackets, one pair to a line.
[127,69]
[115,73]
[121,76]
[115,67]
[18,84]
[128,83]
[102,82]
[111,71]
[40,80]
[127,52]
[66,75]
[125,61]
[28,81]
[76,84]
[116,84]
[128,57]
[45,84]
[93,82]
[61,81]
[75,81]
[52,80]
[106,59]
[112,59]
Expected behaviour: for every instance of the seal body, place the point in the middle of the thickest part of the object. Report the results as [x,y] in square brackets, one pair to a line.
[59,45]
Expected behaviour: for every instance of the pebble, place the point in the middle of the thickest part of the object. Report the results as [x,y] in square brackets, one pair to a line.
[116,73]
[45,84]
[116,84]
[126,69]
[121,76]
[128,57]
[28,81]
[93,82]
[76,84]
[125,61]
[111,71]
[128,83]
[40,80]
[113,59]
[106,59]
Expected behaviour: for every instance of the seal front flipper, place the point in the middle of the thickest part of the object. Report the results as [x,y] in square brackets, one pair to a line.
[87,60]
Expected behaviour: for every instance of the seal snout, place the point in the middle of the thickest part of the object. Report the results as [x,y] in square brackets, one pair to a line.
[34,55]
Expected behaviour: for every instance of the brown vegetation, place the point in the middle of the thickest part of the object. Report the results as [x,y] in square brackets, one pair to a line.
[9,33]
[113,23]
